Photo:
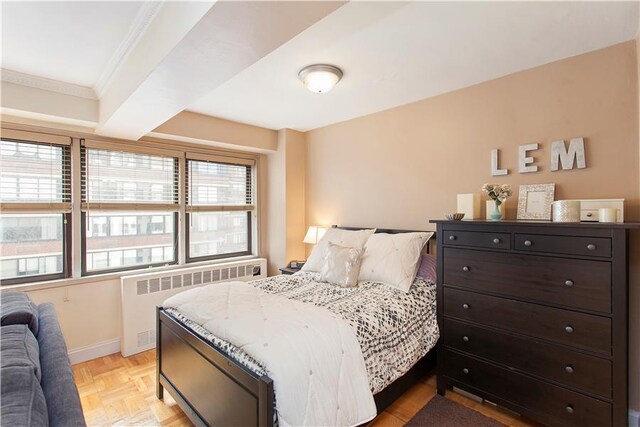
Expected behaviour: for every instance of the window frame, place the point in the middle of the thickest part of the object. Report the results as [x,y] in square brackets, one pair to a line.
[187,238]
[62,208]
[190,209]
[66,257]
[127,206]
[83,251]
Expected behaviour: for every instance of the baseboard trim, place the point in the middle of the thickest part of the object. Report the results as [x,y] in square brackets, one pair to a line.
[634,418]
[82,354]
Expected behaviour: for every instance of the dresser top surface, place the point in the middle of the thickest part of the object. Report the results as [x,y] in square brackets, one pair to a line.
[540,223]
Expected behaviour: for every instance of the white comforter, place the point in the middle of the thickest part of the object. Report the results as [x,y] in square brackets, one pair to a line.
[312,356]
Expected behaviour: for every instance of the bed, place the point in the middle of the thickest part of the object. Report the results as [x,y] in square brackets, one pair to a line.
[215,382]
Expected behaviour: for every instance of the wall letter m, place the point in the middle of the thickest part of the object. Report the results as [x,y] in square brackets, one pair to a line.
[560,154]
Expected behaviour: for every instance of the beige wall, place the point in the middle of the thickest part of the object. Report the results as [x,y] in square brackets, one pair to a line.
[89,313]
[401,167]
[286,200]
[194,127]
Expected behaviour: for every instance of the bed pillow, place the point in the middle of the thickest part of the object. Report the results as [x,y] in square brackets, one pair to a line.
[346,238]
[341,266]
[427,268]
[392,259]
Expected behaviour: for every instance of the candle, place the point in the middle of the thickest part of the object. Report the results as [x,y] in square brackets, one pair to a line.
[469,205]
[607,215]
[566,211]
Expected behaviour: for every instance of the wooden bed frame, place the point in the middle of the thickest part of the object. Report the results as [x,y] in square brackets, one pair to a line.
[208,385]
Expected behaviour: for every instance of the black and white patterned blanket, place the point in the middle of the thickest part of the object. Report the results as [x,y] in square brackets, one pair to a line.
[394,329]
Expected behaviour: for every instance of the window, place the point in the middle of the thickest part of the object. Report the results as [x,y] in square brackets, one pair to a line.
[129,210]
[135,202]
[35,198]
[219,208]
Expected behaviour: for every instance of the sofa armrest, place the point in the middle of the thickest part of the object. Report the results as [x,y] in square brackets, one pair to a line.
[58,385]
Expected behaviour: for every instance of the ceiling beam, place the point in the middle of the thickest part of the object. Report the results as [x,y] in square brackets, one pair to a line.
[169,26]
[157,82]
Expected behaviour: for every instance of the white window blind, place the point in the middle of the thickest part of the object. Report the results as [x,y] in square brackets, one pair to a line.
[34,176]
[113,179]
[216,186]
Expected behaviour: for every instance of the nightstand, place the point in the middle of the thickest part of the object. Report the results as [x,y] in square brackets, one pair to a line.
[289,270]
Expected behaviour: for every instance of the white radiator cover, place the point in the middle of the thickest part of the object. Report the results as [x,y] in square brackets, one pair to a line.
[142,293]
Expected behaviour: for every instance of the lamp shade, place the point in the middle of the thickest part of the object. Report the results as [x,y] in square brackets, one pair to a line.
[314,234]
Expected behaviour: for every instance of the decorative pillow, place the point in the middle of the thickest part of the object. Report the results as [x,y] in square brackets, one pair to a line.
[427,268]
[392,259]
[346,238]
[341,266]
[17,309]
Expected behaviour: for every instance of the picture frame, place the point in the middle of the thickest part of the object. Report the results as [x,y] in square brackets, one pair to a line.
[535,200]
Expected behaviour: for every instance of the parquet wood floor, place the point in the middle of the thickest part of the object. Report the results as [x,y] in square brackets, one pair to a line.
[119,391]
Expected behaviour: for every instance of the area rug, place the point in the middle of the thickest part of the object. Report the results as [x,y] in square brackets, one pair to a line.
[442,412]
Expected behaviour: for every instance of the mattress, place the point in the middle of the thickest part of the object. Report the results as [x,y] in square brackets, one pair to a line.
[394,329]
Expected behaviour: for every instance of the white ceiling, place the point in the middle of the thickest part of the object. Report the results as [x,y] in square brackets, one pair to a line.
[397,53]
[239,61]
[70,41]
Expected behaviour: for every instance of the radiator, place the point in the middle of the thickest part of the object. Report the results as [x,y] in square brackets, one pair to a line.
[142,293]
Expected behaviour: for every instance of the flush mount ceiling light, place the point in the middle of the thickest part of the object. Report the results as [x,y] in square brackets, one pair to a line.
[320,78]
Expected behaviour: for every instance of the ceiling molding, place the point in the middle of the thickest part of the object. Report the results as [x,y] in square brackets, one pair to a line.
[58,86]
[140,24]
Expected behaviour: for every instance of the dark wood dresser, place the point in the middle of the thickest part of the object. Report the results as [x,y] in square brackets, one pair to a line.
[533,317]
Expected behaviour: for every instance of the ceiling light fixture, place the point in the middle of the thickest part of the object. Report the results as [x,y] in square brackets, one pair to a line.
[320,78]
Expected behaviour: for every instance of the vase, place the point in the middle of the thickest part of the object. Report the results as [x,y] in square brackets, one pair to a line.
[496,215]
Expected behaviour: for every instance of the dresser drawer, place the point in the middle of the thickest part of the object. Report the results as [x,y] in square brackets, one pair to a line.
[554,405]
[477,239]
[566,327]
[583,284]
[571,245]
[589,373]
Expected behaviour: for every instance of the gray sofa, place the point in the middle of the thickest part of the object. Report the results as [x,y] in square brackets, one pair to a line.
[37,387]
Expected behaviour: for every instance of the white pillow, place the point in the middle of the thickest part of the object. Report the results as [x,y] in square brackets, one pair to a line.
[341,266]
[347,238]
[393,259]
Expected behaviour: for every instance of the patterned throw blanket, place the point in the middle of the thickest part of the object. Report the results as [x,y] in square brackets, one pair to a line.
[394,329]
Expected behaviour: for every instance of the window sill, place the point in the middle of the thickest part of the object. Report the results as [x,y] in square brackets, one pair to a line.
[72,281]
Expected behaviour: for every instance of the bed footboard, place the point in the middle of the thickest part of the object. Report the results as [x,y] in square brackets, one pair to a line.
[209,387]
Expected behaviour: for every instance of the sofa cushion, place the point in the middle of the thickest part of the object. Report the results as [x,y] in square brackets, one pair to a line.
[63,402]
[18,347]
[23,401]
[17,309]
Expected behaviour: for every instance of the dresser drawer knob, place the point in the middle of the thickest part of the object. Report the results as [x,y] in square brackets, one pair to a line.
[568,283]
[452,237]
[569,369]
[568,329]
[465,371]
[465,338]
[465,306]
[465,268]
[591,247]
[527,243]
[570,409]
[496,240]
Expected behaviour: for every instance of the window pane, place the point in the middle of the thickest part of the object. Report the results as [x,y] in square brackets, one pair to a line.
[218,233]
[31,244]
[31,172]
[219,184]
[128,239]
[115,176]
